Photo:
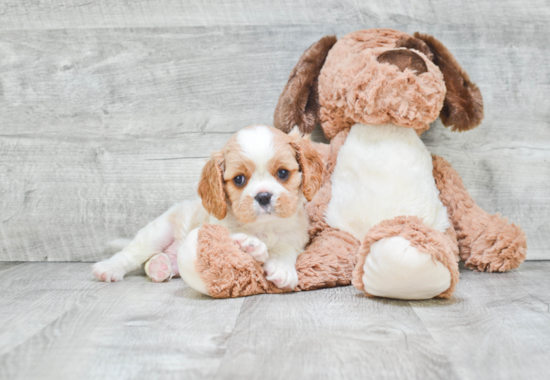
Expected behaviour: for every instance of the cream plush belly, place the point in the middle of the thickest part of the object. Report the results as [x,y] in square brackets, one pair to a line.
[383,172]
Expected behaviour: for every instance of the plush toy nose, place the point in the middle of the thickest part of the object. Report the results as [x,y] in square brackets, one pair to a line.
[263,198]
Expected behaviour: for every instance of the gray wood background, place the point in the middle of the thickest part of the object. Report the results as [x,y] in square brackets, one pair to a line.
[108,109]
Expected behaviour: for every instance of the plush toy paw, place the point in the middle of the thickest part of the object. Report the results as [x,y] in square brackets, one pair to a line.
[403,258]
[108,271]
[500,248]
[281,273]
[395,269]
[251,245]
[159,268]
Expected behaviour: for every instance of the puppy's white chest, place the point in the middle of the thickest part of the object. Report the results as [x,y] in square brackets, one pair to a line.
[383,172]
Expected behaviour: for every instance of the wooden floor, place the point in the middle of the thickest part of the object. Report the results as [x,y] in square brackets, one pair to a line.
[57,322]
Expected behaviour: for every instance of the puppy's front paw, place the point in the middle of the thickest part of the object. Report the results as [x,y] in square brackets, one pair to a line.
[281,274]
[251,245]
[108,271]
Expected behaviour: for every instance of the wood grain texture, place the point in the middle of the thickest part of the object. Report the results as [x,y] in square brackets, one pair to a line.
[109,109]
[332,334]
[60,323]
[505,325]
[57,322]
[63,14]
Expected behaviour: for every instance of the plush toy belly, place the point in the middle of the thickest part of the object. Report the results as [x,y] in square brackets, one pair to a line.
[383,171]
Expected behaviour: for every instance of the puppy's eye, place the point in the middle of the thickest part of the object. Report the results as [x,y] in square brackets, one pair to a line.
[283,174]
[239,180]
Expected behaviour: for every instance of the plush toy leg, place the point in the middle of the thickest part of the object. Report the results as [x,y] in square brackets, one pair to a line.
[405,259]
[486,242]
[500,247]
[213,264]
[328,261]
[188,262]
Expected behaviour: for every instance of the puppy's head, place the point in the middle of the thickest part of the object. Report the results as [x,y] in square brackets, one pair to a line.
[260,173]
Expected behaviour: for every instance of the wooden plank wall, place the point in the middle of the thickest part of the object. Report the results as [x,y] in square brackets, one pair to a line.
[108,109]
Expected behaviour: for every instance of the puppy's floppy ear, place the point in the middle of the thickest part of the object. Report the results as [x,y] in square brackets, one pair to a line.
[311,164]
[299,101]
[211,188]
[463,106]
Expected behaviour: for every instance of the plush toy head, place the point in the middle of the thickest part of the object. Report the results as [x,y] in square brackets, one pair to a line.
[378,76]
[260,173]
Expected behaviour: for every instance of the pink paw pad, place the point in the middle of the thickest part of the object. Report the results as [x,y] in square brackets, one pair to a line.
[160,268]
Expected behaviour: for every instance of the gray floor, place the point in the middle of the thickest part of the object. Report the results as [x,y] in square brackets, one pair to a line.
[57,322]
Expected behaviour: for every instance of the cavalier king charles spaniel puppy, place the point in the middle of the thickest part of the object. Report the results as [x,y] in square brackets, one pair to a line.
[257,187]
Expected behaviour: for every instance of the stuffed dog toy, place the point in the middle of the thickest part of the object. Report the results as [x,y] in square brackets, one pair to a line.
[255,188]
[389,216]
[374,92]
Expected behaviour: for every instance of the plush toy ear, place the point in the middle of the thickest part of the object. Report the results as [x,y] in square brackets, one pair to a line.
[211,187]
[311,163]
[299,101]
[463,106]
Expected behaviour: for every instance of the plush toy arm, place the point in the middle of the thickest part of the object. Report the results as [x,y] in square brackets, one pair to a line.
[224,271]
[486,242]
[328,261]
[223,268]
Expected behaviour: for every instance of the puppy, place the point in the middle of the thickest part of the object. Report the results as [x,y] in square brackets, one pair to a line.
[256,186]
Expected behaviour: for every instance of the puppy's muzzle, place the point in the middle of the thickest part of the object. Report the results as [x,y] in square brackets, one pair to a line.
[264,199]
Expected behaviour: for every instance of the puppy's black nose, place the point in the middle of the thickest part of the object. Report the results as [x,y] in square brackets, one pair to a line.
[263,198]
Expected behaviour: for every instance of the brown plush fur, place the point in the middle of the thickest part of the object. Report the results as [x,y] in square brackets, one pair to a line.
[354,87]
[330,257]
[427,240]
[410,42]
[299,101]
[225,269]
[486,242]
[463,107]
[228,272]
[328,261]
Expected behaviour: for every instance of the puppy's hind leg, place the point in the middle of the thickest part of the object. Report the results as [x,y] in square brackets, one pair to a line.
[150,240]
[163,266]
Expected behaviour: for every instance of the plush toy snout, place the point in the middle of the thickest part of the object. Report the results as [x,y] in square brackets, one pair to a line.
[379,85]
[404,59]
